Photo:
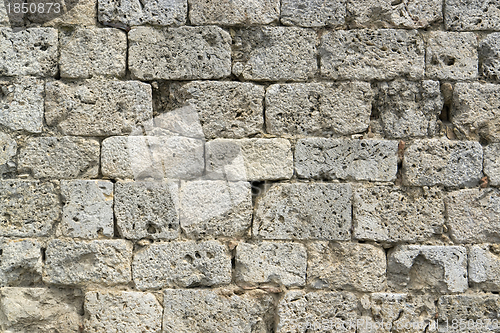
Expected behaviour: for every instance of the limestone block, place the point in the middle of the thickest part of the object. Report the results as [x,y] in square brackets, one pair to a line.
[441,162]
[8,151]
[103,262]
[374,160]
[88,208]
[481,309]
[182,264]
[91,52]
[372,54]
[489,56]
[472,15]
[185,53]
[64,157]
[269,262]
[484,266]
[274,54]
[346,266]
[239,12]
[81,13]
[441,269]
[318,109]
[122,311]
[20,262]
[492,163]
[249,159]
[304,211]
[215,208]
[313,13]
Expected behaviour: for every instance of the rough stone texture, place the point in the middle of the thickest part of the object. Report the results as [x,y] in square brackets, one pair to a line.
[221,310]
[32,51]
[476,111]
[484,266]
[346,266]
[489,56]
[313,13]
[8,151]
[24,310]
[82,14]
[103,262]
[65,157]
[88,208]
[440,162]
[186,53]
[182,264]
[146,210]
[451,56]
[239,12]
[122,311]
[249,159]
[374,160]
[319,109]
[274,54]
[462,15]
[269,262]
[394,214]
[148,157]
[492,163]
[441,269]
[28,208]
[21,102]
[408,109]
[87,53]
[372,54]
[304,211]
[154,12]
[225,109]
[473,215]
[97,107]
[215,208]
[4,18]
[20,262]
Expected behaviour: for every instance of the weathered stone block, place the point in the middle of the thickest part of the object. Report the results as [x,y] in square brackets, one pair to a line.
[441,269]
[489,56]
[372,54]
[103,262]
[313,13]
[319,109]
[124,311]
[182,264]
[481,309]
[439,162]
[20,262]
[88,208]
[484,266]
[492,163]
[186,53]
[87,53]
[249,159]
[239,12]
[408,109]
[304,211]
[462,15]
[346,266]
[8,151]
[65,157]
[374,160]
[32,51]
[220,310]
[83,13]
[269,262]
[274,54]
[215,208]
[394,214]
[28,208]
[21,102]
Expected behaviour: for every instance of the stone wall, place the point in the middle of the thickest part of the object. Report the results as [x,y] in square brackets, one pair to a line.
[251,166]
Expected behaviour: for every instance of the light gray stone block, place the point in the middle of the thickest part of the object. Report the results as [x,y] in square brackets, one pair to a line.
[462,15]
[313,13]
[82,13]
[480,312]
[492,163]
[235,12]
[20,262]
[8,151]
[484,267]
[489,56]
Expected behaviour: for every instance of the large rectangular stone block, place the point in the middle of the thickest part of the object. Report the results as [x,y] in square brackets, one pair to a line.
[20,262]
[489,56]
[8,152]
[313,13]
[462,15]
[484,266]
[492,163]
[474,313]
[239,12]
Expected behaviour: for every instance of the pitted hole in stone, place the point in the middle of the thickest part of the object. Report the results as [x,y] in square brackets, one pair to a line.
[1,252]
[197,255]
[151,229]
[43,254]
[210,255]
[188,258]
[447,60]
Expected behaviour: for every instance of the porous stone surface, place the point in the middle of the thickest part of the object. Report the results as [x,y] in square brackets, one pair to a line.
[441,162]
[451,56]
[320,158]
[102,262]
[395,214]
[318,109]
[8,151]
[215,208]
[123,311]
[274,54]
[472,15]
[489,56]
[219,310]
[481,308]
[372,54]
[304,211]
[408,109]
[21,102]
[20,262]
[90,52]
[346,266]
[239,12]
[88,208]
[185,53]
[271,263]
[313,13]
[181,264]
[82,13]
[484,266]
[249,159]
[492,163]
[60,157]
[441,269]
